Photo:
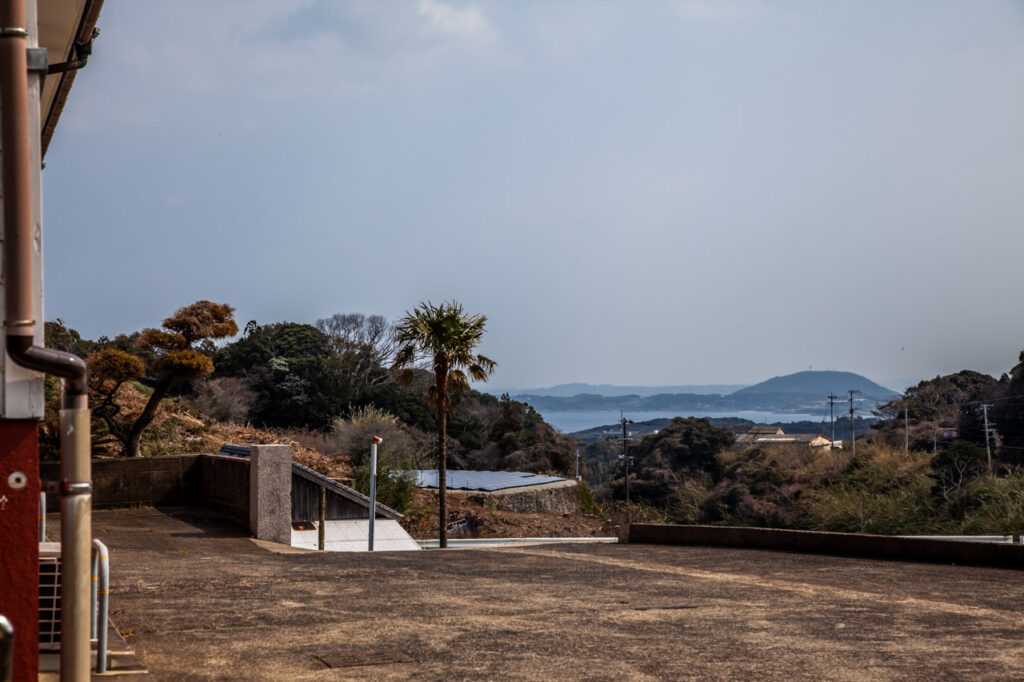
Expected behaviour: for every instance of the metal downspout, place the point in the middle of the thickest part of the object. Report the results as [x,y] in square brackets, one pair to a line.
[19,323]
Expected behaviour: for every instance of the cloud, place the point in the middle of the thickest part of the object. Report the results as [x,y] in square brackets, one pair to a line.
[719,11]
[442,19]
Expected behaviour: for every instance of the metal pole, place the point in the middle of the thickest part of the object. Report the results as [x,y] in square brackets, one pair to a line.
[103,556]
[906,428]
[75,545]
[831,419]
[6,650]
[42,517]
[95,576]
[853,428]
[577,464]
[373,484]
[625,459]
[321,529]
[988,448]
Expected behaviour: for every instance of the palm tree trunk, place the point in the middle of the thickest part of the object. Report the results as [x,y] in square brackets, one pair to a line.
[135,435]
[442,476]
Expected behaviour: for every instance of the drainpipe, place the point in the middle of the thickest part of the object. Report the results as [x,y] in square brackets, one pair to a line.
[19,323]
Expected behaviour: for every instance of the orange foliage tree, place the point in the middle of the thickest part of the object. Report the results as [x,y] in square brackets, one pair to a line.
[174,355]
[109,369]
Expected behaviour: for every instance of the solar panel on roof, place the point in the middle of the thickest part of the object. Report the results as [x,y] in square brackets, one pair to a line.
[487,481]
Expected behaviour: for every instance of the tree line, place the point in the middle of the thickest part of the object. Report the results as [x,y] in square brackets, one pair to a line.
[335,377]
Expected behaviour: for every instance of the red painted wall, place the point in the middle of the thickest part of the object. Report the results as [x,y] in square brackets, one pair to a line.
[19,542]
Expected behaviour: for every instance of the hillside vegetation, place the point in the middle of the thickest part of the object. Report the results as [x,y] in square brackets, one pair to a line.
[689,472]
[326,387]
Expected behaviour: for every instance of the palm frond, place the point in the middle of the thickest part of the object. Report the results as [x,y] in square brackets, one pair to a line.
[446,335]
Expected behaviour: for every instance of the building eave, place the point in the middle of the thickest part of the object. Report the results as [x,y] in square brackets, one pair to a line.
[62,23]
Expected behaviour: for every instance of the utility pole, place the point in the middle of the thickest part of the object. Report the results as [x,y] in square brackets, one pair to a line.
[988,448]
[906,428]
[853,427]
[625,458]
[625,461]
[831,418]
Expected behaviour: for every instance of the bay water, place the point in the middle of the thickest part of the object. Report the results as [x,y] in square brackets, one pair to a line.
[570,422]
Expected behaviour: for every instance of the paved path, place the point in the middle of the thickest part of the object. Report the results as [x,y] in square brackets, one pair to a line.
[199,600]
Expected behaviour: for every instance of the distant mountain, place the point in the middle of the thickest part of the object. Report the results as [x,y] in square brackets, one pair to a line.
[818,384]
[800,392]
[569,390]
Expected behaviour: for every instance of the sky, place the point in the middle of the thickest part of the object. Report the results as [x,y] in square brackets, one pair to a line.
[646,193]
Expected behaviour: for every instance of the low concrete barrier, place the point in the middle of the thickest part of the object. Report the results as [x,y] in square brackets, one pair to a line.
[130,481]
[842,544]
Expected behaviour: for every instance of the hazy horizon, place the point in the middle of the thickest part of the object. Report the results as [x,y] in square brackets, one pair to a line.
[668,192]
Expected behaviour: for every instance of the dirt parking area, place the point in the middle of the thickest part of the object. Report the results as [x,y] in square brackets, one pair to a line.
[199,600]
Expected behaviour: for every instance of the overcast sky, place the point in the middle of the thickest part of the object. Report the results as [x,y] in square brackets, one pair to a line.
[632,192]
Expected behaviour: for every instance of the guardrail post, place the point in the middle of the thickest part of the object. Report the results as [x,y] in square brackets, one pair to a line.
[102,590]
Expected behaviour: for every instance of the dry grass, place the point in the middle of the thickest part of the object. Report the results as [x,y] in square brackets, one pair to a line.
[177,430]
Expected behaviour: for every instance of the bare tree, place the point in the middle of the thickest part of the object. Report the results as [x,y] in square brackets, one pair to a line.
[366,344]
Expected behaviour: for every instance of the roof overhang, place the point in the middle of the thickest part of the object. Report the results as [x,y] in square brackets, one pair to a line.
[62,23]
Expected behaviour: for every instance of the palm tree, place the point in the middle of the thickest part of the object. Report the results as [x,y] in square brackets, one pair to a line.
[445,336]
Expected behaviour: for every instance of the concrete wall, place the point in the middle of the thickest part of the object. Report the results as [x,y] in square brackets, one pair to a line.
[175,480]
[843,544]
[219,483]
[554,498]
[224,486]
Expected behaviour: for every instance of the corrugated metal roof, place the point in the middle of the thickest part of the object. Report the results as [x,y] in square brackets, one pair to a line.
[482,480]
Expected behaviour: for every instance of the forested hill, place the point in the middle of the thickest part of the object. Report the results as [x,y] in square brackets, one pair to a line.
[819,383]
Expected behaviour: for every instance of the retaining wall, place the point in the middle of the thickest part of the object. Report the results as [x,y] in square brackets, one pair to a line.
[556,498]
[843,544]
[174,480]
[224,485]
[213,481]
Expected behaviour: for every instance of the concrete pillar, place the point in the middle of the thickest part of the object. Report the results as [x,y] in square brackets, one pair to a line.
[270,492]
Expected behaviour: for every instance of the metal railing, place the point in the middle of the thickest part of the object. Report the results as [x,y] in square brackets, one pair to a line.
[51,611]
[100,599]
[6,650]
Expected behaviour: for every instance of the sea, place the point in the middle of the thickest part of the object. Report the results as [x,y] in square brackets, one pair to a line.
[570,422]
